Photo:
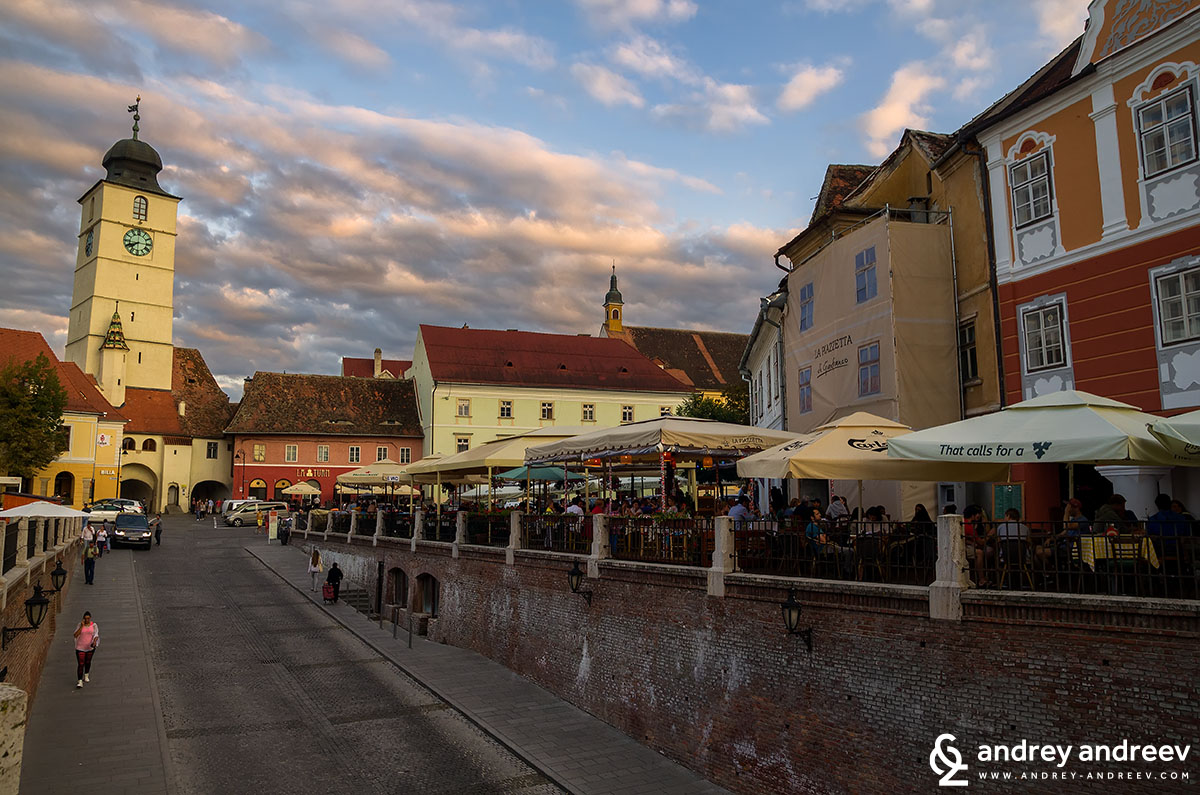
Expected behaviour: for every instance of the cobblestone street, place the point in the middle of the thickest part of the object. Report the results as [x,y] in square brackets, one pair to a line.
[258,690]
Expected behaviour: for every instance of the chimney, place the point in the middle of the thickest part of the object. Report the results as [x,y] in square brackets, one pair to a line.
[182,408]
[378,362]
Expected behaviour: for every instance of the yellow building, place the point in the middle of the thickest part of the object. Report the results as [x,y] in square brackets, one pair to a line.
[174,449]
[476,385]
[88,469]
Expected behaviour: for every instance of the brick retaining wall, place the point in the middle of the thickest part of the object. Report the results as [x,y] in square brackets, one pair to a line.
[717,684]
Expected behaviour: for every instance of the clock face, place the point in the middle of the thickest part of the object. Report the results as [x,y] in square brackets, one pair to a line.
[138,242]
[89,242]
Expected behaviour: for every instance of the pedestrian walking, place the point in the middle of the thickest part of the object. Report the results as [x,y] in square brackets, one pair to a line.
[102,540]
[90,553]
[157,529]
[315,567]
[209,507]
[334,578]
[89,533]
[87,638]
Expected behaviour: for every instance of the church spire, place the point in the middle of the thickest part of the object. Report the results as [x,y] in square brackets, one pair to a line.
[136,118]
[614,295]
[613,305]
[115,338]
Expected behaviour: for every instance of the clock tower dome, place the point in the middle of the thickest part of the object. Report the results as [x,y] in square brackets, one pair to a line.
[126,257]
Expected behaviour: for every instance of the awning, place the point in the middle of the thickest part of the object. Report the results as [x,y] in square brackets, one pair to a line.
[682,435]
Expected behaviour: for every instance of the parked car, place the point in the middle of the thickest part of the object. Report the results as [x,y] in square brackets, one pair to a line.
[108,510]
[229,505]
[247,513]
[132,528]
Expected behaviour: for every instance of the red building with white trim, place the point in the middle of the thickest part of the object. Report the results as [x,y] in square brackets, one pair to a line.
[292,428]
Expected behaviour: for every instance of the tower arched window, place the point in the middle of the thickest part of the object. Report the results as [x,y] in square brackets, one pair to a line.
[128,444]
[139,208]
[149,446]
[616,314]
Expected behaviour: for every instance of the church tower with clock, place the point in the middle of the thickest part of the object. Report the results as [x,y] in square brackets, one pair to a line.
[125,272]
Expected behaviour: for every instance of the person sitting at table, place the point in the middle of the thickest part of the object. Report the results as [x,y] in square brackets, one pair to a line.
[1112,515]
[824,547]
[921,523]
[872,523]
[1056,549]
[980,543]
[1167,524]
[741,512]
[1012,528]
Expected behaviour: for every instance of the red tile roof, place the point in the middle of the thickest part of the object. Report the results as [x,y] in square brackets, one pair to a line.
[706,359]
[840,181]
[331,405]
[365,368]
[82,393]
[207,409]
[527,358]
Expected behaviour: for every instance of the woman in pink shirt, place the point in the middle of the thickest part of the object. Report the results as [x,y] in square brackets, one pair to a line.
[87,637]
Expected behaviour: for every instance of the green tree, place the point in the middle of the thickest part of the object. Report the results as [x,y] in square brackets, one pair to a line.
[31,407]
[732,406]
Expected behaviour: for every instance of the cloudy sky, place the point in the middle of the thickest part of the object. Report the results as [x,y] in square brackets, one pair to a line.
[351,169]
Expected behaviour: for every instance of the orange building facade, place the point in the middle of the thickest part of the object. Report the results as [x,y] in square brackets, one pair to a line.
[1094,173]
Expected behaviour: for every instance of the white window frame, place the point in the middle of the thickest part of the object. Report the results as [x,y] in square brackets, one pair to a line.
[211,450]
[1143,132]
[664,411]
[1027,350]
[546,412]
[865,272]
[405,455]
[806,307]
[354,454]
[381,452]
[868,365]
[1191,322]
[964,346]
[505,411]
[259,452]
[626,413]
[804,390]
[1024,186]
[141,209]
[463,408]
[322,454]
[291,453]
[462,444]
[588,412]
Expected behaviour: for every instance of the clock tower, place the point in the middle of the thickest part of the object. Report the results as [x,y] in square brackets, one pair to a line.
[126,257]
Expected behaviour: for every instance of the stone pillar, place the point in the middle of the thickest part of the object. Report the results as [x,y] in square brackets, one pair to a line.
[1138,485]
[600,548]
[460,532]
[307,523]
[1112,196]
[353,523]
[417,528]
[13,706]
[722,558]
[514,537]
[378,523]
[23,541]
[945,595]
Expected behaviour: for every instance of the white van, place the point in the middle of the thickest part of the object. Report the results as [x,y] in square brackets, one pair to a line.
[247,513]
[229,505]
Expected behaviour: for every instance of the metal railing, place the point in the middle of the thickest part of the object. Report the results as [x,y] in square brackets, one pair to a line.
[443,528]
[397,525]
[364,523]
[339,521]
[301,522]
[1129,558]
[891,552]
[564,532]
[489,529]
[681,542]
[11,536]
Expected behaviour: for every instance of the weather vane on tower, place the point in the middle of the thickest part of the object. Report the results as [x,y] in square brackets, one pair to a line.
[136,118]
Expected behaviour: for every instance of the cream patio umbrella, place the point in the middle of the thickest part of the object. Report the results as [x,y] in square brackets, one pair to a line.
[377,474]
[1181,435]
[302,489]
[1063,427]
[856,448]
[41,509]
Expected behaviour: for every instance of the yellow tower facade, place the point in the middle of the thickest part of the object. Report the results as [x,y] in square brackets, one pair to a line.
[614,307]
[126,265]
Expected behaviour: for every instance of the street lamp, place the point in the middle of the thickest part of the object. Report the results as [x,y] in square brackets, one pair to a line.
[575,579]
[58,577]
[35,612]
[240,455]
[791,619]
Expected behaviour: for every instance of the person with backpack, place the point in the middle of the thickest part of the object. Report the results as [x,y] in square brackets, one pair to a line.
[334,578]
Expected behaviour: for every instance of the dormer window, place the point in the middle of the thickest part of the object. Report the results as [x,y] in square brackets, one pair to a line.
[508,364]
[562,367]
[140,207]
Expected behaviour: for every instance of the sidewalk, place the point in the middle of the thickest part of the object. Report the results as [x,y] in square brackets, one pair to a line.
[580,753]
[108,736]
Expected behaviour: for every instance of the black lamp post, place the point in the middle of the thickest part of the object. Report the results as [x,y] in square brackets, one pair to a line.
[35,611]
[791,619]
[575,579]
[58,577]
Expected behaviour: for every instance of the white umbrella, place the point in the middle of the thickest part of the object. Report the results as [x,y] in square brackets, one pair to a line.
[1063,427]
[42,510]
[687,435]
[303,489]
[1180,435]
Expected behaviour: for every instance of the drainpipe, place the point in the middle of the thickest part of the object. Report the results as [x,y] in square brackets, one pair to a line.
[979,155]
[962,399]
